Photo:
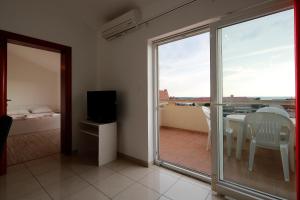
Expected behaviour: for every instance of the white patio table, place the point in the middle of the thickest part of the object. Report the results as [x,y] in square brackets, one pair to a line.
[239,119]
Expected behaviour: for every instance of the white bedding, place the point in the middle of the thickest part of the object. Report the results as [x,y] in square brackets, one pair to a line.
[31,115]
[34,123]
[40,115]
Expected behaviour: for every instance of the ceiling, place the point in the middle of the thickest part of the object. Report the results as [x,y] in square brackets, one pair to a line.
[47,59]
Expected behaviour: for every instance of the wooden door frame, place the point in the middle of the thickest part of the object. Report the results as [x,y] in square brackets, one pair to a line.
[66,84]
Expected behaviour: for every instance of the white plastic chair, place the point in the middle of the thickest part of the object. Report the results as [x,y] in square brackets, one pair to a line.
[277,110]
[206,112]
[228,131]
[270,131]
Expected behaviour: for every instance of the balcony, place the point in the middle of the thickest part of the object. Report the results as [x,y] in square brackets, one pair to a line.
[183,140]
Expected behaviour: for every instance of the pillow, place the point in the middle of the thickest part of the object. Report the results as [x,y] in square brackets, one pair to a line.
[43,109]
[39,115]
[18,112]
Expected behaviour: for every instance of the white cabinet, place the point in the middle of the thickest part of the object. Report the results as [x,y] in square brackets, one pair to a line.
[99,139]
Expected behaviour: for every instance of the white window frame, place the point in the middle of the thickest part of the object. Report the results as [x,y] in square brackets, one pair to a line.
[222,187]
[155,44]
[225,187]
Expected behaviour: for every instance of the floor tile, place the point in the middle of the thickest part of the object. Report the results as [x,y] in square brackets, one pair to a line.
[188,149]
[74,179]
[164,198]
[66,187]
[137,192]
[15,174]
[88,193]
[158,181]
[114,184]
[39,167]
[37,195]
[166,171]
[66,160]
[183,190]
[214,197]
[55,176]
[185,148]
[48,159]
[15,168]
[13,190]
[136,172]
[119,165]
[81,168]
[196,182]
[97,174]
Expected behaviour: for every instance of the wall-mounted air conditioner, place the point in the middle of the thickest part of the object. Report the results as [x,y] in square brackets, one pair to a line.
[120,24]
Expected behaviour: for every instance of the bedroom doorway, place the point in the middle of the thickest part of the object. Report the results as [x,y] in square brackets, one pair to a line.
[33,94]
[8,39]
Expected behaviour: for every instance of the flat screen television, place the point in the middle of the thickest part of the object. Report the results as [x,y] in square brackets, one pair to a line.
[101,106]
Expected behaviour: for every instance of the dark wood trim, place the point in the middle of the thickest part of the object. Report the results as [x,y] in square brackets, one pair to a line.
[3,103]
[32,42]
[66,84]
[66,101]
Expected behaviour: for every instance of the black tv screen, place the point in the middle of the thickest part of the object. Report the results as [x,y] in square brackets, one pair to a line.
[101,106]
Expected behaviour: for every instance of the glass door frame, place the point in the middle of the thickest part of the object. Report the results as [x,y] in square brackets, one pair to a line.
[221,186]
[155,57]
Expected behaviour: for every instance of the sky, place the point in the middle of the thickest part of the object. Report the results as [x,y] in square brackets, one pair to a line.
[257,60]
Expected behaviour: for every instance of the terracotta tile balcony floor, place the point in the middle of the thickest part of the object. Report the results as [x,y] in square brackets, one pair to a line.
[185,148]
[188,149]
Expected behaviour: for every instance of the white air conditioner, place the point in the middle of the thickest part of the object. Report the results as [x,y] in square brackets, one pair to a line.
[120,24]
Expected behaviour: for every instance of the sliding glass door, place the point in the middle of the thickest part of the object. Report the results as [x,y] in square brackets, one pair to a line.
[183,90]
[254,105]
[241,136]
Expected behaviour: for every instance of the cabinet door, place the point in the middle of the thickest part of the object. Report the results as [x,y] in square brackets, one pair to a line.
[107,143]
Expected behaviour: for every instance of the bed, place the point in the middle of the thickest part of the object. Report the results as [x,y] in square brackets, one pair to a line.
[29,122]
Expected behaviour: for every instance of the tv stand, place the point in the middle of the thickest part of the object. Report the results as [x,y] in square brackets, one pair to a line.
[106,137]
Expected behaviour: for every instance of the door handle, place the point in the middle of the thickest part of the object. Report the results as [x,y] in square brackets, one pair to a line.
[8,100]
[220,104]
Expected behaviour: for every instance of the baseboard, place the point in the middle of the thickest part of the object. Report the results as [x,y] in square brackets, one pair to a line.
[135,160]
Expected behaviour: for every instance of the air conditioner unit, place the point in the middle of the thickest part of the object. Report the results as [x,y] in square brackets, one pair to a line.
[119,25]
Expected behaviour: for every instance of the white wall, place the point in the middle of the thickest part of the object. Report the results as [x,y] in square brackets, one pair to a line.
[123,66]
[29,84]
[49,20]
[183,117]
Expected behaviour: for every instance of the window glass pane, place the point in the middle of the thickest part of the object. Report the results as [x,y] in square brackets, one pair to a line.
[259,87]
[184,87]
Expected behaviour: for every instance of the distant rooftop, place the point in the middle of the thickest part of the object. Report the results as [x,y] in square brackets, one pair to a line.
[164,95]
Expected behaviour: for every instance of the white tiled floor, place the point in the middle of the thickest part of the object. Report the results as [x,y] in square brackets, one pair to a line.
[70,178]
